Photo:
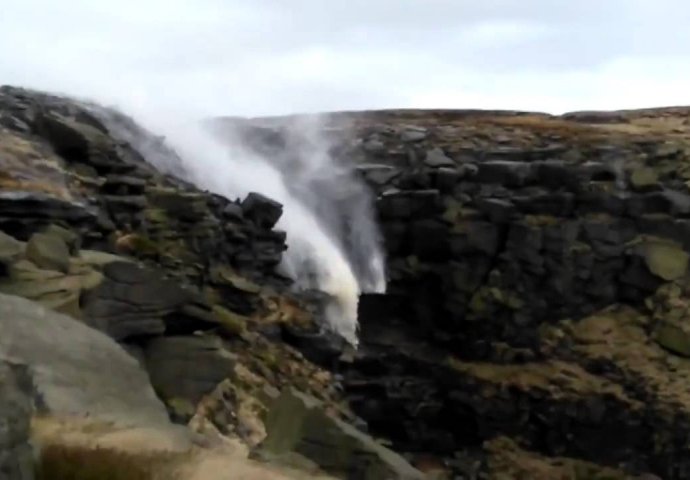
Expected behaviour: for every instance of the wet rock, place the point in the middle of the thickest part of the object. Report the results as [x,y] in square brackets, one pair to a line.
[233,211]
[397,204]
[429,240]
[262,210]
[394,236]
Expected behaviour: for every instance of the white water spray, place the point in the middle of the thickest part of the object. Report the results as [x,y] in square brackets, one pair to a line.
[320,255]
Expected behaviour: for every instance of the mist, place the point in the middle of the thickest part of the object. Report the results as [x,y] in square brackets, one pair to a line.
[333,247]
[172,63]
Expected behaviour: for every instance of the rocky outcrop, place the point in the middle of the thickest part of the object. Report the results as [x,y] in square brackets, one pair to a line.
[16,453]
[67,361]
[509,234]
[95,181]
[298,423]
[183,279]
[534,324]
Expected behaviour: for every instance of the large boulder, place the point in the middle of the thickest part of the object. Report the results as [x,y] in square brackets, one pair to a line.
[132,301]
[299,423]
[56,290]
[10,249]
[48,251]
[264,211]
[76,370]
[187,367]
[16,455]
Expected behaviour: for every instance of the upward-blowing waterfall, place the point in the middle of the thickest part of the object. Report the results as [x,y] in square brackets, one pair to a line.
[333,241]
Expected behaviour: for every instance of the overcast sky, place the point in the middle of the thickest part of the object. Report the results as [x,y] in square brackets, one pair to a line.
[257,57]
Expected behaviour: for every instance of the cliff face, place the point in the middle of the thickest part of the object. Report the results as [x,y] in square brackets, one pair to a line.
[534,322]
[537,287]
[182,279]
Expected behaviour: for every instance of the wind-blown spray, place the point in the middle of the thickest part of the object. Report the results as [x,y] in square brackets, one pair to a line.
[333,242]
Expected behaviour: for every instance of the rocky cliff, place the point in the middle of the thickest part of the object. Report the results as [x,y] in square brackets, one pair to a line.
[537,272]
[533,324]
[182,279]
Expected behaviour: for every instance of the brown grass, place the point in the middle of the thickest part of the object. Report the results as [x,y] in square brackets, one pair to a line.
[507,460]
[28,166]
[61,462]
[561,379]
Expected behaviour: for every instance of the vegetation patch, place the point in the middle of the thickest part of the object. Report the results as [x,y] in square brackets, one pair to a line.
[62,462]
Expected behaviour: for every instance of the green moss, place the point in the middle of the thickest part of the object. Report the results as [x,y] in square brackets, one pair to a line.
[156,215]
[141,245]
[644,177]
[269,359]
[665,259]
[673,338]
[225,275]
[230,322]
[478,302]
[181,407]
[541,220]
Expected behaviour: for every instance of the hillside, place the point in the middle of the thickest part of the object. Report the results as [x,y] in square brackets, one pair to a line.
[534,323]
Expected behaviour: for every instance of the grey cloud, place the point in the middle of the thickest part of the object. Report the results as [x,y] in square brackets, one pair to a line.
[275,56]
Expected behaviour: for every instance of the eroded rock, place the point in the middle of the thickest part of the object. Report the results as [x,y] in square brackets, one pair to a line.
[48,251]
[297,422]
[187,367]
[76,370]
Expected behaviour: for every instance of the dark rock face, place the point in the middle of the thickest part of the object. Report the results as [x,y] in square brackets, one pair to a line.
[262,210]
[16,454]
[506,236]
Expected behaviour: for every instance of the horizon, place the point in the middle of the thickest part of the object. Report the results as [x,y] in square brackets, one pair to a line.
[262,58]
